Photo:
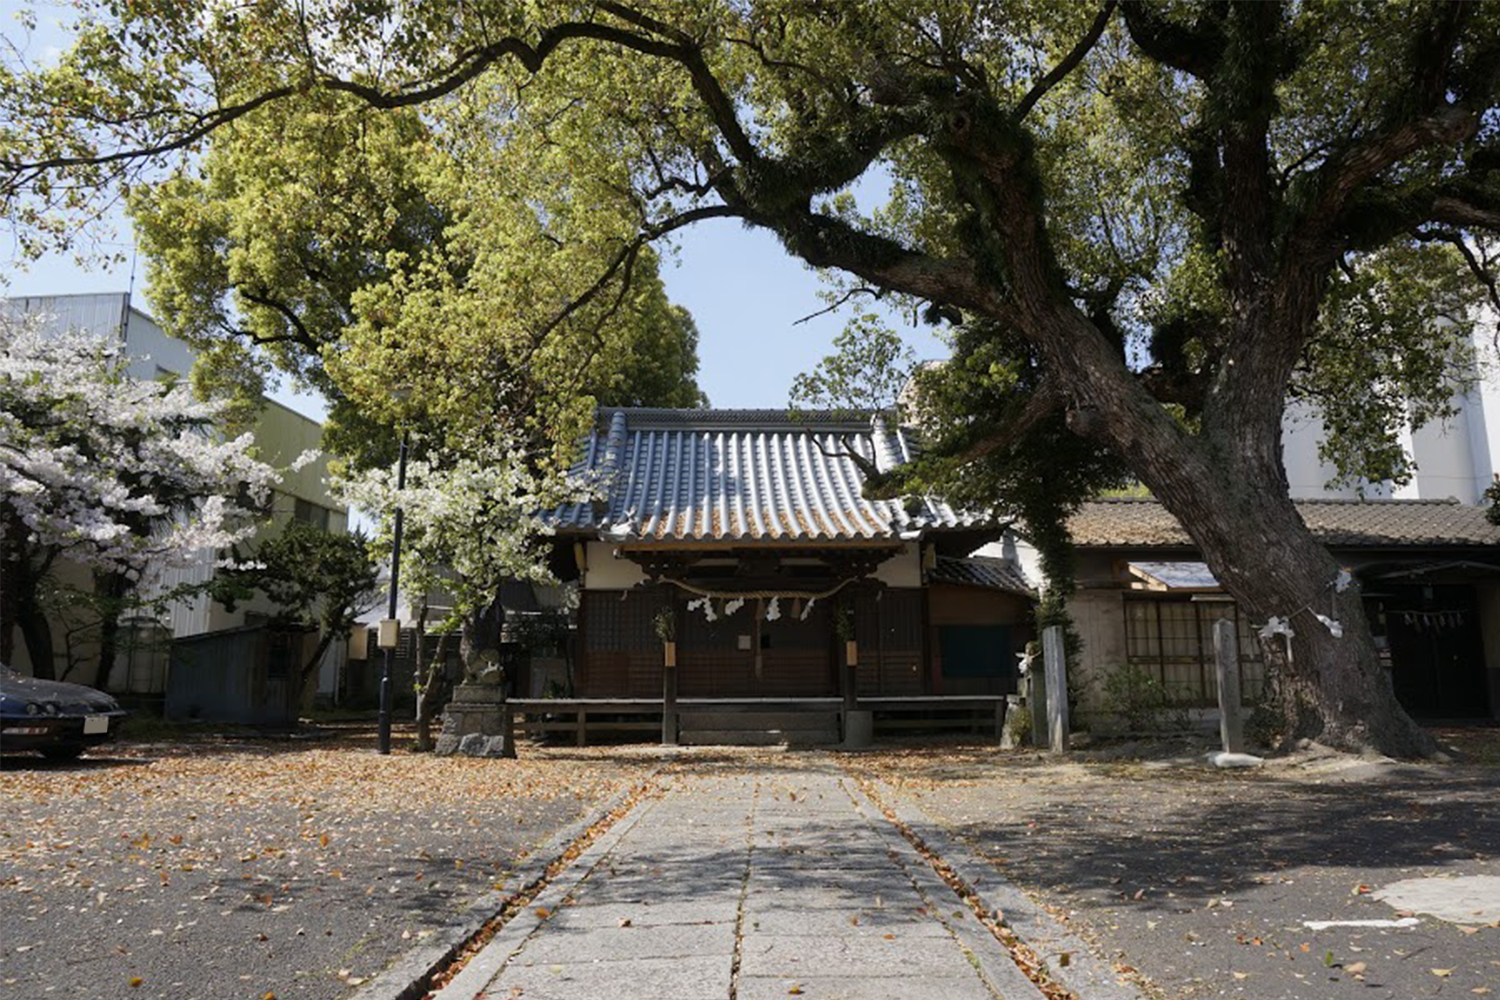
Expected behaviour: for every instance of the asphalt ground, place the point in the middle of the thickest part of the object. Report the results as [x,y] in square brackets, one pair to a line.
[1200,880]
[260,868]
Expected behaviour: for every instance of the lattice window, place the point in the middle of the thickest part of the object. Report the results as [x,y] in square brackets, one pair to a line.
[1174,639]
[621,623]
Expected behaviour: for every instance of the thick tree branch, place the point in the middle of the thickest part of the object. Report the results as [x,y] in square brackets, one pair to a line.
[301,334]
[1069,63]
[1194,50]
[1458,212]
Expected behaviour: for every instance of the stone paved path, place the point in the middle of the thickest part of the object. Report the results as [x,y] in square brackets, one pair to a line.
[746,886]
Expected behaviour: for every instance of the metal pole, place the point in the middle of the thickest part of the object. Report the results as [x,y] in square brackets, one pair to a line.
[390,653]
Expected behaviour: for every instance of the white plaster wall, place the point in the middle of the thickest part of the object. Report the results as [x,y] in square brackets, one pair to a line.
[1483,407]
[1444,460]
[904,569]
[607,571]
[1457,458]
[152,353]
[1307,475]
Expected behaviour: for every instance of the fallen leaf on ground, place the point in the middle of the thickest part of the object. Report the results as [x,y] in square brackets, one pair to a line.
[1441,973]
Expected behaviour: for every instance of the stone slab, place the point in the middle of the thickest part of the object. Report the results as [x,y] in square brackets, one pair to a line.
[861,988]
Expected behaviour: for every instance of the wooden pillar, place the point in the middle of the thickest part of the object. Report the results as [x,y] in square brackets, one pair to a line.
[851,674]
[1227,666]
[582,736]
[669,695]
[1057,688]
[508,730]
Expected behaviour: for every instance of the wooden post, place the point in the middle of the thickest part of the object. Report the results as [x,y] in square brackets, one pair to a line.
[669,698]
[1227,665]
[1057,688]
[508,730]
[1000,718]
[851,674]
[1034,686]
[582,738]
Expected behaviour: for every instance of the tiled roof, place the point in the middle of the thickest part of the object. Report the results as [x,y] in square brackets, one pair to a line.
[730,475]
[1372,523]
[982,571]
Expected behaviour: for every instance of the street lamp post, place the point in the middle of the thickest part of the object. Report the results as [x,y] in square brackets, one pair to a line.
[390,631]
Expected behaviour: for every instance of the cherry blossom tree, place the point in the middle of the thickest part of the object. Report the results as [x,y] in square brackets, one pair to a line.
[471,521]
[123,476]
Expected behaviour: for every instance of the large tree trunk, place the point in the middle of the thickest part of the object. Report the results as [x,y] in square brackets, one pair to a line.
[309,675]
[111,589]
[1227,486]
[1325,687]
[37,632]
[431,692]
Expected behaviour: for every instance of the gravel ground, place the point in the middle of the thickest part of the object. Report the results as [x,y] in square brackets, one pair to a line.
[260,868]
[1201,879]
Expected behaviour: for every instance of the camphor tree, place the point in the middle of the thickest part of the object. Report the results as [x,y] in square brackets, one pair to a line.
[115,474]
[354,254]
[1134,214]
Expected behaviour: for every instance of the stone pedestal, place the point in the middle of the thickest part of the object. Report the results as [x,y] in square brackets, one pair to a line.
[1017,723]
[474,722]
[859,729]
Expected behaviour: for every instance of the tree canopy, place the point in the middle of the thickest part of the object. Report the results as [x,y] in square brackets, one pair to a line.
[1147,223]
[359,256]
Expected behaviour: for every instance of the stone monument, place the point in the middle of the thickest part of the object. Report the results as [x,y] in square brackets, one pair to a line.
[474,721]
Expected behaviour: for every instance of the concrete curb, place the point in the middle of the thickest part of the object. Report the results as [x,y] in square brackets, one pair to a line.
[1086,974]
[498,951]
[408,975]
[996,966]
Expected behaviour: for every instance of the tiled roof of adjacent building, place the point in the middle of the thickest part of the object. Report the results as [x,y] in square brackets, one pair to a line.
[982,571]
[757,475]
[1373,523]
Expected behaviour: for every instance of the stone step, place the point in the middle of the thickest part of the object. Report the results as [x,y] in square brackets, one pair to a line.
[758,737]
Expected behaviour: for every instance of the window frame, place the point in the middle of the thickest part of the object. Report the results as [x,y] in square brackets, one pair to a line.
[1205,693]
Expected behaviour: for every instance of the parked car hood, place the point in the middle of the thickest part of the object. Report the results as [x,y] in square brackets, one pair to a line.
[17,690]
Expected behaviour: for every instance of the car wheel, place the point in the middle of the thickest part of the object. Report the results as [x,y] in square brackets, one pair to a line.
[63,753]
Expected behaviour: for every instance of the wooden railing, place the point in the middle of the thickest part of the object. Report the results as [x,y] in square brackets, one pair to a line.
[580,716]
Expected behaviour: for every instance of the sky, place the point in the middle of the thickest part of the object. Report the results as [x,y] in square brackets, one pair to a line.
[744,291]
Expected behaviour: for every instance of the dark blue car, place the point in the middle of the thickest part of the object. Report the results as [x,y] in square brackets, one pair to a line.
[57,719]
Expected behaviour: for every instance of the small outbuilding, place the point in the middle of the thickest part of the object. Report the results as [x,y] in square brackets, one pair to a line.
[1429,571]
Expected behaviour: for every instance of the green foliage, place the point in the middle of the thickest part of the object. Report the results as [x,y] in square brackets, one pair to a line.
[356,254]
[1492,497]
[1143,703]
[665,625]
[867,371]
[314,577]
[1398,325]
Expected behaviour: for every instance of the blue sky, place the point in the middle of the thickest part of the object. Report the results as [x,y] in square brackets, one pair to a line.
[744,291]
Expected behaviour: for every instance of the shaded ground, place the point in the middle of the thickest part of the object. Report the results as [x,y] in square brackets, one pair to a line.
[1201,879]
[226,870]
